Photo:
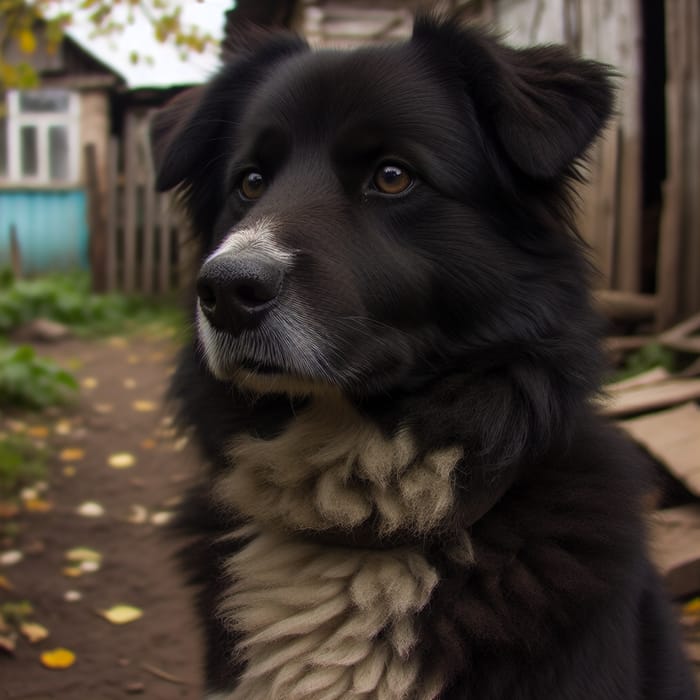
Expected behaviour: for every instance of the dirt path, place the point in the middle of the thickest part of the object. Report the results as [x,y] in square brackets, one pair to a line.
[120,410]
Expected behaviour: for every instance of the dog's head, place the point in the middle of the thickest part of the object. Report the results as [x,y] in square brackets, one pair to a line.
[373,217]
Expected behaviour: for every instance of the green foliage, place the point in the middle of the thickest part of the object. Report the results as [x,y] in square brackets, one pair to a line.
[646,358]
[21,464]
[68,300]
[31,381]
[21,27]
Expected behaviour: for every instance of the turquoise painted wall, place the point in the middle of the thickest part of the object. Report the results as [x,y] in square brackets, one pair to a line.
[51,228]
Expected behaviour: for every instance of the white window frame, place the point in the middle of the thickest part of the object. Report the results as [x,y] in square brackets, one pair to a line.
[42,121]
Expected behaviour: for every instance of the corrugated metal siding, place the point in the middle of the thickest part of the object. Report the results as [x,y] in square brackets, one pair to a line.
[51,228]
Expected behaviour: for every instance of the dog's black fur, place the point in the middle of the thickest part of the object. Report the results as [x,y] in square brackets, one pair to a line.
[458,310]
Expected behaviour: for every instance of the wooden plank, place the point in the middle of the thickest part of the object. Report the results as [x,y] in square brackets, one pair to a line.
[629,60]
[112,215]
[164,247]
[673,438]
[670,238]
[651,376]
[96,226]
[675,548]
[626,306]
[691,151]
[130,205]
[149,215]
[648,398]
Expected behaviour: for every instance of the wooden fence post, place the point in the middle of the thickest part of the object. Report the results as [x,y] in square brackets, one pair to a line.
[96,224]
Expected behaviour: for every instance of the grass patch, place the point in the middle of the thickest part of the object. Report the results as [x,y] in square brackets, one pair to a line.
[22,464]
[30,381]
[67,299]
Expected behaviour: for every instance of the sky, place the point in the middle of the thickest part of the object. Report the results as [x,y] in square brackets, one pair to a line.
[166,67]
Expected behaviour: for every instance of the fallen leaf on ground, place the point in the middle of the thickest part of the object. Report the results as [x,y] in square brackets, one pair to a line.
[7,643]
[121,460]
[118,342]
[129,383]
[137,514]
[33,631]
[162,518]
[121,614]
[5,584]
[28,494]
[89,383]
[80,554]
[37,505]
[72,596]
[72,571]
[148,444]
[90,509]
[69,471]
[180,444]
[63,427]
[16,426]
[692,607]
[38,431]
[89,567]
[144,406]
[10,558]
[103,407]
[71,454]
[58,658]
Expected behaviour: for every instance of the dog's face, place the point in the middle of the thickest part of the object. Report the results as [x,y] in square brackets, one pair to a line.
[370,216]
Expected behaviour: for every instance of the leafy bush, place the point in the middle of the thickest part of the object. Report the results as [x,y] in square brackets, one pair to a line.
[68,300]
[31,381]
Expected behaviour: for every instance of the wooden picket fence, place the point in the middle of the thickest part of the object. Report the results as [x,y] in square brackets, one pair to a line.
[148,247]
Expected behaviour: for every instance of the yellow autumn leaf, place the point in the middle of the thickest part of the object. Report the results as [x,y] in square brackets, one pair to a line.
[72,571]
[144,406]
[71,454]
[37,505]
[27,41]
[69,470]
[38,431]
[80,554]
[58,658]
[692,607]
[63,427]
[121,614]
[33,631]
[121,460]
[89,383]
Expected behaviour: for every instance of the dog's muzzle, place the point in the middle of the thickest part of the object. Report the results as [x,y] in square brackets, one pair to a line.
[236,290]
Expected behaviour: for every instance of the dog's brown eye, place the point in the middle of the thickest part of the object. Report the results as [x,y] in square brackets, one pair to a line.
[392,179]
[253,185]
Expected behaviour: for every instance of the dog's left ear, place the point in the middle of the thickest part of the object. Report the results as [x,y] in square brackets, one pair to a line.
[167,128]
[543,105]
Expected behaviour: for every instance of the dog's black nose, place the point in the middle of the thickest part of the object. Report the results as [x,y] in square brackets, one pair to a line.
[236,290]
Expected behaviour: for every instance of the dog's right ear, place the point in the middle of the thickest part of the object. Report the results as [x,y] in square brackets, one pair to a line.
[186,133]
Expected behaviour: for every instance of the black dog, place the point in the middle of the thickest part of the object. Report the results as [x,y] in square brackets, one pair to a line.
[411,495]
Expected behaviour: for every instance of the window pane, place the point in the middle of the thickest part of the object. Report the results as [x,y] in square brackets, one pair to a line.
[29,151]
[43,101]
[58,153]
[3,146]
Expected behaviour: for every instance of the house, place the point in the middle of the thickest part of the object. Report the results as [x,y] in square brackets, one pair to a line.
[58,140]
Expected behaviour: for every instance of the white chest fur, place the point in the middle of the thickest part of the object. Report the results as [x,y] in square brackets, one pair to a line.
[326,623]
[331,468]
